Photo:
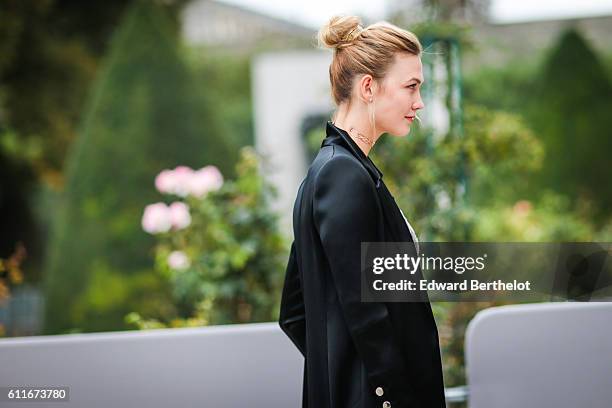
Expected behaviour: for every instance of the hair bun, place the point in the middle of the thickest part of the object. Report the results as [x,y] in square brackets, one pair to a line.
[339,31]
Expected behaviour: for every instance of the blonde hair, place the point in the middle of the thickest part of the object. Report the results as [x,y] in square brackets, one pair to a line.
[357,50]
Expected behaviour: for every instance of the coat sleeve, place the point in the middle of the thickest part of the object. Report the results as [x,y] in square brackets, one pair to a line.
[347,212]
[292,318]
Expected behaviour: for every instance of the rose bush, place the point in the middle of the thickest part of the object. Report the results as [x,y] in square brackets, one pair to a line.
[219,245]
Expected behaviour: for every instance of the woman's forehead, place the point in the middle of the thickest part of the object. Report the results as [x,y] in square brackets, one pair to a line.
[406,67]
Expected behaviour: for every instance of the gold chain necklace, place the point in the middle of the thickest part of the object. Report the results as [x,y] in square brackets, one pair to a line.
[363,138]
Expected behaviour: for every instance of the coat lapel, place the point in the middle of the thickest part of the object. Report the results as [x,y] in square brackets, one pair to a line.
[394,221]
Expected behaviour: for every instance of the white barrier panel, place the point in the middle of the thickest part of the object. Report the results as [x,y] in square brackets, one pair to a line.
[250,365]
[548,355]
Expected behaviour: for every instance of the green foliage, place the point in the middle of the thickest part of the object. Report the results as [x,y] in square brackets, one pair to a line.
[508,88]
[428,31]
[427,180]
[17,222]
[226,79]
[435,27]
[542,183]
[144,114]
[44,80]
[564,99]
[110,295]
[10,275]
[44,73]
[549,220]
[571,112]
[237,255]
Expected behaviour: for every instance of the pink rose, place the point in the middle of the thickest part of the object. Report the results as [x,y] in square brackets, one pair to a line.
[206,179]
[175,181]
[179,215]
[522,207]
[164,182]
[182,180]
[178,260]
[156,218]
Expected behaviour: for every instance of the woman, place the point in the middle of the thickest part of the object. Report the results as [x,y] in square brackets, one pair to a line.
[358,354]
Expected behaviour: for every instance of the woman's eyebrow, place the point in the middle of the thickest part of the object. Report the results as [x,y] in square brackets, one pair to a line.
[416,79]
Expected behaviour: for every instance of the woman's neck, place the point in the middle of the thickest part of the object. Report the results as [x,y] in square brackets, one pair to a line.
[358,128]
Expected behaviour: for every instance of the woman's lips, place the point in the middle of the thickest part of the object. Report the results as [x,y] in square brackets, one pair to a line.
[410,118]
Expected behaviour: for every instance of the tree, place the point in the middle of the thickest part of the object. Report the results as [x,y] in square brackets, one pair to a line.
[144,115]
[570,111]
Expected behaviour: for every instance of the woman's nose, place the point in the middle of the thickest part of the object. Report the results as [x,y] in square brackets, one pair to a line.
[419,103]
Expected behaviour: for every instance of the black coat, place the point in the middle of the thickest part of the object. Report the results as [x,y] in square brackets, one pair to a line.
[353,350]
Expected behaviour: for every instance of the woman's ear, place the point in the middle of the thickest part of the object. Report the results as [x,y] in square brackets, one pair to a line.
[367,88]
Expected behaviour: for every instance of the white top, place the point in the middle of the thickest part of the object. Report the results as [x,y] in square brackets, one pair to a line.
[412,233]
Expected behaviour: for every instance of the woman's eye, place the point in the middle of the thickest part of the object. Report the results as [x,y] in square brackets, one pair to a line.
[412,86]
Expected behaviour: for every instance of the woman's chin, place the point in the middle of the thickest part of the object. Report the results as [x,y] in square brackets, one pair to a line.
[400,131]
[404,132]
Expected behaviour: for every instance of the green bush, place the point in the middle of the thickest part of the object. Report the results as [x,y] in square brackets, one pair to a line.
[225,260]
[144,114]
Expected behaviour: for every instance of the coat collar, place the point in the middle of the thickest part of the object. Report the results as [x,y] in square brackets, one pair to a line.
[337,136]
[394,219]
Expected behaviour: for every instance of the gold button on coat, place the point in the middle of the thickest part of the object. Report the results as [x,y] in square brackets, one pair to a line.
[379,391]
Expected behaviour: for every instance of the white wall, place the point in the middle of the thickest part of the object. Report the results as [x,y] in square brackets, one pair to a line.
[287,87]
